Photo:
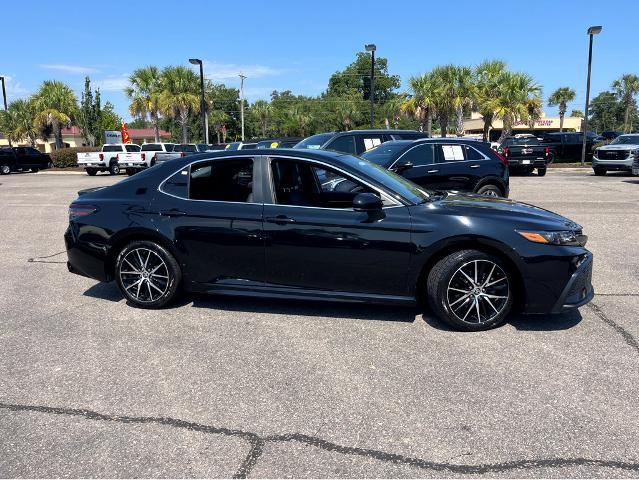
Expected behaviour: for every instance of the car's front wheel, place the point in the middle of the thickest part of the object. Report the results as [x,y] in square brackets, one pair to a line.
[147,274]
[490,191]
[541,171]
[470,290]
[5,169]
[91,172]
[599,171]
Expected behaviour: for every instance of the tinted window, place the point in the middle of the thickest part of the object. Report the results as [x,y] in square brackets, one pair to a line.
[386,153]
[626,140]
[222,180]
[169,147]
[185,148]
[409,136]
[33,151]
[419,155]
[132,148]
[178,184]
[344,144]
[472,154]
[370,141]
[112,148]
[315,141]
[151,147]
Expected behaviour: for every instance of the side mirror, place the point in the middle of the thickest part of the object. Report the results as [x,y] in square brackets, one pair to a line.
[403,165]
[367,202]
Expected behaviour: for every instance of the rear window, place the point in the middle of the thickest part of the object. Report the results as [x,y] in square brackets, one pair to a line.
[385,154]
[151,147]
[315,142]
[132,148]
[409,136]
[185,148]
[112,148]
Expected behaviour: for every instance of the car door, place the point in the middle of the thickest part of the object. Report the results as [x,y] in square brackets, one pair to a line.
[417,164]
[458,166]
[214,215]
[315,239]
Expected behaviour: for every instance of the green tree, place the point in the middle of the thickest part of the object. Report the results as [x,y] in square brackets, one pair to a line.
[18,122]
[261,111]
[626,88]
[605,112]
[88,117]
[513,99]
[179,96]
[488,75]
[561,97]
[421,105]
[144,94]
[223,109]
[56,105]
[109,120]
[218,120]
[576,113]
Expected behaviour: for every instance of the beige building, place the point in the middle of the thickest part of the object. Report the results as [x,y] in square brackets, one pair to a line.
[475,126]
[72,137]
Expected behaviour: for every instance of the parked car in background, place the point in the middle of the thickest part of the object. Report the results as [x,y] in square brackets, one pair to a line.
[200,225]
[445,164]
[20,159]
[240,145]
[568,145]
[217,146]
[286,142]
[618,155]
[106,160]
[133,162]
[525,153]
[610,134]
[356,142]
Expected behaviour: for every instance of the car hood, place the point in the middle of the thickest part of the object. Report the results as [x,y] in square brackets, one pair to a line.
[518,214]
[621,146]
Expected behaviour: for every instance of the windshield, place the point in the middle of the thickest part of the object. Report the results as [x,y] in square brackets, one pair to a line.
[398,186]
[626,140]
[386,153]
[315,142]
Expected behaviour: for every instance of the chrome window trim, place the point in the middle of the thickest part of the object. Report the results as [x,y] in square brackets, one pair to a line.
[413,147]
[394,201]
[485,157]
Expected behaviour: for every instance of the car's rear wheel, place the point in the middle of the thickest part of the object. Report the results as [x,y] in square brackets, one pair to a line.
[130,171]
[5,169]
[490,190]
[114,168]
[599,171]
[147,274]
[91,171]
[541,171]
[470,290]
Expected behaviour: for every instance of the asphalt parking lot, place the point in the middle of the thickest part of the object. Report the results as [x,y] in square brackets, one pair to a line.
[221,387]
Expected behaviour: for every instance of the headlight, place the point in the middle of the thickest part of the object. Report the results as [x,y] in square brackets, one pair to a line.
[563,237]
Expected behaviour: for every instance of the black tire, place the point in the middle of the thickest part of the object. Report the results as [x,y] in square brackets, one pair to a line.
[5,169]
[114,168]
[50,164]
[529,170]
[551,157]
[541,171]
[35,170]
[600,172]
[130,171]
[490,190]
[91,172]
[128,264]
[443,296]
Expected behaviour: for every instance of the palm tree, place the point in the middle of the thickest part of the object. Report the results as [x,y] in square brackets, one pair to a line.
[626,88]
[393,109]
[218,119]
[513,98]
[463,95]
[55,104]
[422,104]
[300,115]
[443,84]
[346,111]
[561,97]
[144,94]
[487,76]
[262,111]
[18,122]
[179,95]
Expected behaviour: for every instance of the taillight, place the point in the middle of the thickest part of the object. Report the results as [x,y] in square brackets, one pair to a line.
[547,151]
[117,157]
[183,154]
[506,152]
[502,158]
[143,156]
[101,157]
[77,210]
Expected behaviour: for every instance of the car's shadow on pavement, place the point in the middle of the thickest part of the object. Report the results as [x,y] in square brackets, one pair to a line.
[531,323]
[636,182]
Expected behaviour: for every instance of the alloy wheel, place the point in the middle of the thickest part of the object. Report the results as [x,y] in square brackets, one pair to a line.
[144,275]
[490,193]
[478,291]
[5,169]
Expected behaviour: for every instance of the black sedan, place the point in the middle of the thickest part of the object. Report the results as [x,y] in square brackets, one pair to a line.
[446,164]
[275,225]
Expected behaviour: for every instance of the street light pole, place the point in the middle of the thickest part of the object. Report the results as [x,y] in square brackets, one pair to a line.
[371,48]
[242,77]
[4,97]
[205,133]
[591,32]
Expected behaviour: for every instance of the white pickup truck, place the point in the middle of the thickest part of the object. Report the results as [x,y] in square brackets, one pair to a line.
[146,157]
[106,160]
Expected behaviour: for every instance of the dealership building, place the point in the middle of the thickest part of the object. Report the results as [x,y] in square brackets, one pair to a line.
[475,126]
[72,137]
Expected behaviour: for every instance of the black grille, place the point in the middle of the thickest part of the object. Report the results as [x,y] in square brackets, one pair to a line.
[613,154]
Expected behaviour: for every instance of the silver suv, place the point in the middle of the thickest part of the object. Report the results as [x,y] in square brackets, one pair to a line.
[618,155]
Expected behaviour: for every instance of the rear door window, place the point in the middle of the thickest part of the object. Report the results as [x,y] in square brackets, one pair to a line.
[420,155]
[451,153]
[344,144]
[222,180]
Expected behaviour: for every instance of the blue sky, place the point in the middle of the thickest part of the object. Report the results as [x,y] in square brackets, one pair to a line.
[297,45]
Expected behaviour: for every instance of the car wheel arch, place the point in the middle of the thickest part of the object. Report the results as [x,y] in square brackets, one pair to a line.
[455,244]
[491,181]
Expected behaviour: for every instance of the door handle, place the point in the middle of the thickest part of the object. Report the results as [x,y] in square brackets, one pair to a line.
[280,220]
[432,171]
[174,212]
[474,166]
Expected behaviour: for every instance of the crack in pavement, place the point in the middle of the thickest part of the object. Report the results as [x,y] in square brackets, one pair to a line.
[258,442]
[625,334]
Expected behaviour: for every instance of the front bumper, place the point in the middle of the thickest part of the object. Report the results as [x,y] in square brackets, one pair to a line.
[621,165]
[579,290]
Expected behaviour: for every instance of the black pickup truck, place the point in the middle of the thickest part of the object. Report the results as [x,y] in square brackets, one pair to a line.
[20,159]
[568,145]
[525,154]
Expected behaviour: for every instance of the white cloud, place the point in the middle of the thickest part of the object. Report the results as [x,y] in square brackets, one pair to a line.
[225,71]
[76,69]
[113,83]
[14,88]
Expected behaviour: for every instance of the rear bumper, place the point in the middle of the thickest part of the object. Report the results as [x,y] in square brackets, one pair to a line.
[83,258]
[531,162]
[579,290]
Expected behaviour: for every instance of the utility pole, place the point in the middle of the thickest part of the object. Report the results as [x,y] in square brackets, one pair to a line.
[242,77]
[4,96]
[371,48]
